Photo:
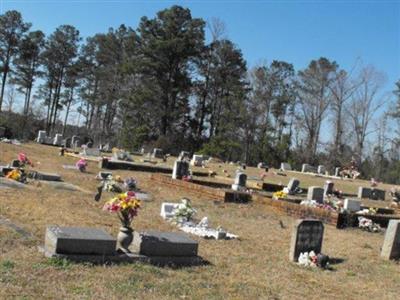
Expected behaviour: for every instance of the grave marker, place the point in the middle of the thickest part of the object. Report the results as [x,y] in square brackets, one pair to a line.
[352,205]
[315,193]
[240,182]
[307,236]
[328,188]
[181,168]
[79,240]
[364,192]
[391,244]
[293,185]
[321,170]
[285,167]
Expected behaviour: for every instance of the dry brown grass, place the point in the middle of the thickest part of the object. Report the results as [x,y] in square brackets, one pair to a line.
[255,267]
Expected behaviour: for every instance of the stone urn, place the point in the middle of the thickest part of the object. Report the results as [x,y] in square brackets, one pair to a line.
[124,238]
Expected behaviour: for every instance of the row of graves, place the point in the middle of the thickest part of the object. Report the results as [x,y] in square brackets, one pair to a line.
[320,170]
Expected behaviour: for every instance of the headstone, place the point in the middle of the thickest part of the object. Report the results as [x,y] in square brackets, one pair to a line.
[158,153]
[167,210]
[91,152]
[377,194]
[352,205]
[15,163]
[285,167]
[41,136]
[155,243]
[57,139]
[321,169]
[181,168]
[307,236]
[391,244]
[305,168]
[262,165]
[76,141]
[79,240]
[240,182]
[292,186]
[104,175]
[315,193]
[328,188]
[184,155]
[67,143]
[45,176]
[4,170]
[364,192]
[337,171]
[197,160]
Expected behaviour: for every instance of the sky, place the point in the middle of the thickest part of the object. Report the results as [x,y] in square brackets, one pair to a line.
[293,31]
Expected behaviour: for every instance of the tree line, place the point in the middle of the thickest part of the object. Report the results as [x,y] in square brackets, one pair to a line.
[162,84]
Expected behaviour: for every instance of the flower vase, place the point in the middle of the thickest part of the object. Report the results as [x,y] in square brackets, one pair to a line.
[124,238]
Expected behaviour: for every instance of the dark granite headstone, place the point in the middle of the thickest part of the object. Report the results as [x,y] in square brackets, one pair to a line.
[307,236]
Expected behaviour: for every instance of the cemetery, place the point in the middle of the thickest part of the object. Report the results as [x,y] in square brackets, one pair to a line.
[268,230]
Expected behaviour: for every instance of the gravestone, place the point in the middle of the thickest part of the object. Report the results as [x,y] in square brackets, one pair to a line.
[305,168]
[352,205]
[181,168]
[328,188]
[158,153]
[285,167]
[91,152]
[307,236]
[57,139]
[197,160]
[4,170]
[15,163]
[292,186]
[321,169]
[337,171]
[184,155]
[240,182]
[377,194]
[41,138]
[364,192]
[155,243]
[104,175]
[44,176]
[315,193]
[167,210]
[79,240]
[67,143]
[262,165]
[76,141]
[391,244]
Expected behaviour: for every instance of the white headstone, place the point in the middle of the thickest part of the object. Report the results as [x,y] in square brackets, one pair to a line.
[58,139]
[181,168]
[167,209]
[197,160]
[292,186]
[286,167]
[41,136]
[321,169]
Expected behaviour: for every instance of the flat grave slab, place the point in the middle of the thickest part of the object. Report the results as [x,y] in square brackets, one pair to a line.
[79,240]
[164,244]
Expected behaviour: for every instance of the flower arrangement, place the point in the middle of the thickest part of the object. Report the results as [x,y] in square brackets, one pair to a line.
[15,174]
[81,165]
[308,259]
[24,159]
[279,195]
[184,211]
[126,205]
[368,225]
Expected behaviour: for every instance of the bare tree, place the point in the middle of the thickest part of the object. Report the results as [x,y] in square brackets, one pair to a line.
[10,100]
[314,97]
[217,29]
[363,105]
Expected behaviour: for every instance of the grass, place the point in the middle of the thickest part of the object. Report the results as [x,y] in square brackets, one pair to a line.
[255,267]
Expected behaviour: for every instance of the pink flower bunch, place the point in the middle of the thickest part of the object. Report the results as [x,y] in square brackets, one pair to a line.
[81,164]
[24,159]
